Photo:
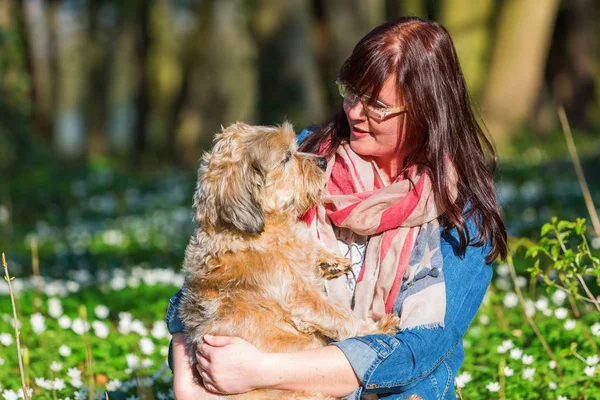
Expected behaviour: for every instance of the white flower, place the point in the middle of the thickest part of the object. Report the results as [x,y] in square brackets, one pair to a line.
[527,360]
[147,363]
[528,373]
[592,360]
[55,309]
[552,364]
[511,300]
[508,371]
[44,383]
[101,311]
[589,371]
[77,383]
[114,384]
[38,323]
[1,363]
[133,361]
[501,350]
[493,386]
[74,373]
[552,385]
[164,351]
[159,330]
[100,329]
[147,346]
[10,395]
[64,322]
[6,339]
[547,312]
[503,284]
[55,366]
[80,326]
[64,350]
[516,353]
[29,393]
[503,269]
[138,327]
[529,308]
[559,297]
[542,303]
[521,281]
[561,313]
[570,324]
[132,397]
[562,398]
[508,344]
[59,384]
[596,329]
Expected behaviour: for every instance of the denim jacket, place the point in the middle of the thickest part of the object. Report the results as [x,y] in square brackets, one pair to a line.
[415,361]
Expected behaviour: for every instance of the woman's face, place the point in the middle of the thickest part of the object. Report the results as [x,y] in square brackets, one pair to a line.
[384,141]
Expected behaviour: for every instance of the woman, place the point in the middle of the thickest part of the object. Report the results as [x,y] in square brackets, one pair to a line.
[411,201]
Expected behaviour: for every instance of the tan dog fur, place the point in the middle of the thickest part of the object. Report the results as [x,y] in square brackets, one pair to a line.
[252,270]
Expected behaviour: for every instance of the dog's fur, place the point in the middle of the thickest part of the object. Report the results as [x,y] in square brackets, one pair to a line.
[252,270]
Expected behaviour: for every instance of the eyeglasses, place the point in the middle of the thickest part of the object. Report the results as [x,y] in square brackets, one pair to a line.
[376,110]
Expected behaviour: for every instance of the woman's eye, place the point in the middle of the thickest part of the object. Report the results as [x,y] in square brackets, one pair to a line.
[380,106]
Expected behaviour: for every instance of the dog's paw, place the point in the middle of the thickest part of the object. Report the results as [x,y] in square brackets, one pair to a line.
[390,323]
[334,268]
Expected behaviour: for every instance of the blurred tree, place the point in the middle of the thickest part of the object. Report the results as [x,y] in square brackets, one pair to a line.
[469,24]
[347,22]
[396,8]
[517,65]
[143,93]
[289,79]
[573,61]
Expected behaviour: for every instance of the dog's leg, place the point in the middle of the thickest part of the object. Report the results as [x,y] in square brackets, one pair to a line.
[332,265]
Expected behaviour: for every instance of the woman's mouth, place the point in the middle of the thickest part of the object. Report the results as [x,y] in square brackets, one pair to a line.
[357,132]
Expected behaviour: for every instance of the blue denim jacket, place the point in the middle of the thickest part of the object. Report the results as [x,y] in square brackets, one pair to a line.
[416,361]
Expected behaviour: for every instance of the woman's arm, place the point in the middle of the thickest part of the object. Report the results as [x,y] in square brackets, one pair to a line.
[233,365]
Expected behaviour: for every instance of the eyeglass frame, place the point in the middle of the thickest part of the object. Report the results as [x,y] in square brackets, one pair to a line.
[346,92]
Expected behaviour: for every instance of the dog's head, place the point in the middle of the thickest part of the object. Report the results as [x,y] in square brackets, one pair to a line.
[254,171]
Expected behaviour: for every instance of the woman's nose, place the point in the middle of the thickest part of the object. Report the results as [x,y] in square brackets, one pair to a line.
[355,110]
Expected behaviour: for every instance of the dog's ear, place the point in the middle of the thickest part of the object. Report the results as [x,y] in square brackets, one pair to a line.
[229,185]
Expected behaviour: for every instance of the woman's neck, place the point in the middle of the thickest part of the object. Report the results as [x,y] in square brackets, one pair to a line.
[389,168]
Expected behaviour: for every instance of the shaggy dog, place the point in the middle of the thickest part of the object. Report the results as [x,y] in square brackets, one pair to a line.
[252,269]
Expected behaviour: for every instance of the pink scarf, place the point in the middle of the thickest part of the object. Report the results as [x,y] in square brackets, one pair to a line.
[400,219]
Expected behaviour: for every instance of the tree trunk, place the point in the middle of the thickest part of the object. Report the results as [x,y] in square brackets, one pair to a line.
[396,8]
[518,61]
[143,95]
[69,122]
[469,25]
[289,79]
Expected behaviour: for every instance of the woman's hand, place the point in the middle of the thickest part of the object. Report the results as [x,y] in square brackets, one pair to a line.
[231,365]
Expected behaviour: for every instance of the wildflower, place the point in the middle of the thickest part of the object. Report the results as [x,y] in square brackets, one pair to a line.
[100,329]
[559,297]
[570,324]
[503,270]
[164,351]
[561,313]
[74,373]
[159,330]
[552,385]
[44,383]
[521,281]
[562,398]
[20,393]
[10,395]
[511,300]
[55,309]
[503,284]
[596,329]
[55,366]
[542,303]
[589,371]
[64,322]
[64,350]
[508,371]
[484,319]
[147,363]
[147,346]
[592,360]
[133,361]
[1,363]
[493,386]
[552,364]
[529,308]
[547,312]
[516,353]
[528,373]
[6,339]
[101,311]
[80,326]
[114,384]
[527,360]
[59,384]
[138,327]
[38,323]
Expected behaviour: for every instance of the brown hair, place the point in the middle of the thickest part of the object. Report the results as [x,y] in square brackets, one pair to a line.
[440,121]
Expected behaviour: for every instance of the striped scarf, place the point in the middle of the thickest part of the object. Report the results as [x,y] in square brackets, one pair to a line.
[402,271]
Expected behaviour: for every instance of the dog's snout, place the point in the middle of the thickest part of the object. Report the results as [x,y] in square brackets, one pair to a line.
[322,163]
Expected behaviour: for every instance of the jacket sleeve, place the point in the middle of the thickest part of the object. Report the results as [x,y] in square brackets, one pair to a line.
[400,361]
[174,323]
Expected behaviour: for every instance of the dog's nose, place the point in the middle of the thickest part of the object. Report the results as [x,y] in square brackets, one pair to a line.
[322,163]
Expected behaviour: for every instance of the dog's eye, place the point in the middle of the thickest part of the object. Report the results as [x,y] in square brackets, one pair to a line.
[288,157]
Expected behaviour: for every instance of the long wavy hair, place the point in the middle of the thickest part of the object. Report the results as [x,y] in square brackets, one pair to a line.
[440,121]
